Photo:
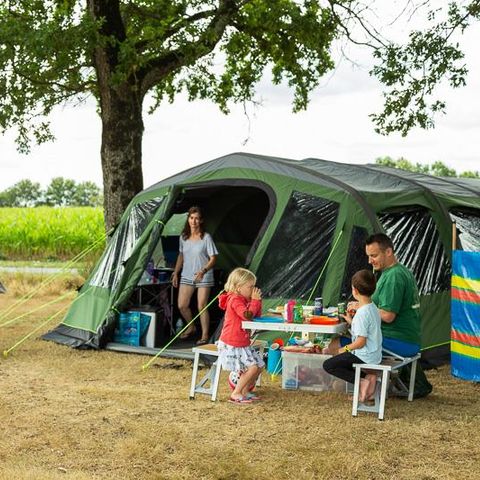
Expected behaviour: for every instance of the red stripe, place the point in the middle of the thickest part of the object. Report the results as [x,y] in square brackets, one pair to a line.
[465,338]
[465,295]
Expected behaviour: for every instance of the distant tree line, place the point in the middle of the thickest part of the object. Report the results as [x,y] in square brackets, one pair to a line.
[438,168]
[62,192]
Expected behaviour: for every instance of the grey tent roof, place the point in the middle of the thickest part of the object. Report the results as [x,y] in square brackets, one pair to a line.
[277,165]
[339,176]
[440,185]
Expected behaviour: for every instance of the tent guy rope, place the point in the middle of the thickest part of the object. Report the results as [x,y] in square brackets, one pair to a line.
[274,375]
[145,366]
[52,277]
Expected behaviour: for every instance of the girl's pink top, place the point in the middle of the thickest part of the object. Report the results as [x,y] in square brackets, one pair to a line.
[237,308]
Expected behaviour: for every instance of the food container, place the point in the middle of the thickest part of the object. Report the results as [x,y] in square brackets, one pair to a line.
[304,371]
[308,310]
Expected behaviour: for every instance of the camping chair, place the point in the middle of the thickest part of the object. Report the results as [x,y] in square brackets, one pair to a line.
[212,377]
[391,363]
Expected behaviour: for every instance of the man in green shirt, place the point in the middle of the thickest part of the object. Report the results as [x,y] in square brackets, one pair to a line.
[396,296]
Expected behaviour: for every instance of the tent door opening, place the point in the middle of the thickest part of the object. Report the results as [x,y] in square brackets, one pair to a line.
[236,215]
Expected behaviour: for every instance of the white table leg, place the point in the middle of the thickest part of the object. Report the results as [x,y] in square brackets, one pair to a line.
[194,375]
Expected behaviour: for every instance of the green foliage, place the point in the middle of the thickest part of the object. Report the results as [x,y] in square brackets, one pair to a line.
[470,174]
[24,193]
[412,71]
[49,233]
[441,170]
[290,38]
[87,194]
[401,163]
[61,192]
[45,60]
[54,52]
[438,168]
[57,52]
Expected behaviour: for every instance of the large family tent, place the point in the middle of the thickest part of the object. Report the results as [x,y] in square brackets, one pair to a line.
[290,221]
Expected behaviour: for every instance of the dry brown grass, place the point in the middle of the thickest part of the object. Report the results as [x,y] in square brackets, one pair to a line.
[79,415]
[21,284]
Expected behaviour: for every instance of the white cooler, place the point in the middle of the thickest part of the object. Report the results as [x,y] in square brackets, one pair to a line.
[148,340]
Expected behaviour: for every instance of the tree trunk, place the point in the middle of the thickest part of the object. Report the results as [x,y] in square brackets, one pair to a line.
[121,113]
[122,130]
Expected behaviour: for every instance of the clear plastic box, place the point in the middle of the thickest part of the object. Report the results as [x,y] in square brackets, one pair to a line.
[304,371]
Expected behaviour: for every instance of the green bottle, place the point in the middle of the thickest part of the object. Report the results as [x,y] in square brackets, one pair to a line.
[298,313]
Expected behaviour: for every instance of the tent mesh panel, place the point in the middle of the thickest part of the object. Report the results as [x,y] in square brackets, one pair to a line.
[419,248]
[299,247]
[468,228]
[357,259]
[110,268]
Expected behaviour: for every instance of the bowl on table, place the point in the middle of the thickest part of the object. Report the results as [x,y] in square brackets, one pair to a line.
[322,320]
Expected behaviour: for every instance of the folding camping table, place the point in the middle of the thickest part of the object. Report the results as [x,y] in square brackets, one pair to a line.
[304,328]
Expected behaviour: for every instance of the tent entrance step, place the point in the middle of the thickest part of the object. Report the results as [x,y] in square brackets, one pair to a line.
[180,353]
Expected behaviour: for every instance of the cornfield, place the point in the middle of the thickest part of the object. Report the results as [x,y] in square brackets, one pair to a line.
[49,233]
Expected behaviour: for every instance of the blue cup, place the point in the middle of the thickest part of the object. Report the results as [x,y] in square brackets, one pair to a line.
[274,362]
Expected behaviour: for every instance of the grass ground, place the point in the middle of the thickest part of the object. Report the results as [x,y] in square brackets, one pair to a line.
[84,414]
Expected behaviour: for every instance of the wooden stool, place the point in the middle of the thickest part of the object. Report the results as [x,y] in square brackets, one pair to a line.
[212,377]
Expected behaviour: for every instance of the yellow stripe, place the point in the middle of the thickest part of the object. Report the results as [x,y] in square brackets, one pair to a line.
[458,347]
[465,283]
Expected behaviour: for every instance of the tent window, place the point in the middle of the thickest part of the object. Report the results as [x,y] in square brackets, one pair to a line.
[122,244]
[357,258]
[468,228]
[419,247]
[299,247]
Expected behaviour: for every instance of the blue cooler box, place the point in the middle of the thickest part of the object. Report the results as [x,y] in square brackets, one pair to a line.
[131,327]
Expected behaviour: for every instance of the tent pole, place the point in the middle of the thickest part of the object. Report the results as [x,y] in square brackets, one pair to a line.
[454,235]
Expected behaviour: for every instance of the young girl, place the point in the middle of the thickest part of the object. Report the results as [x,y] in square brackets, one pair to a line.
[241,301]
[365,346]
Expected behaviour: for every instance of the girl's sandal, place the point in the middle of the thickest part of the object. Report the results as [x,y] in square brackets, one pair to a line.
[240,400]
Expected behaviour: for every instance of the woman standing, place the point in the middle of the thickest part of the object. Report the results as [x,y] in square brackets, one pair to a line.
[197,256]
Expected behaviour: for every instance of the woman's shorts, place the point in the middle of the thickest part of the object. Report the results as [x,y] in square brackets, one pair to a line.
[191,283]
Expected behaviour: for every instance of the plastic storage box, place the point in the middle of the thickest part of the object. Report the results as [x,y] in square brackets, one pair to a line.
[130,328]
[304,371]
[148,338]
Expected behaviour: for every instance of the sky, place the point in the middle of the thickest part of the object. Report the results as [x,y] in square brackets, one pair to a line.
[336,126]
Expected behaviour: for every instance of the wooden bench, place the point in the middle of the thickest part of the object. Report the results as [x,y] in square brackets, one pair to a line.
[391,362]
[209,383]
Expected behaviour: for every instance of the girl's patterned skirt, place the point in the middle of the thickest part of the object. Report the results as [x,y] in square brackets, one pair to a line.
[238,359]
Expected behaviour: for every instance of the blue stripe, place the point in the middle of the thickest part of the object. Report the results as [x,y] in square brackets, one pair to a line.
[466,264]
[464,367]
[465,317]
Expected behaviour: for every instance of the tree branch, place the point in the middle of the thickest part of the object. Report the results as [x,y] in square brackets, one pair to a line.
[357,17]
[71,90]
[157,69]
[141,46]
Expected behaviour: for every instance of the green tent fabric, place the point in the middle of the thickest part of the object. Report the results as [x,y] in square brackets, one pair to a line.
[283,219]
